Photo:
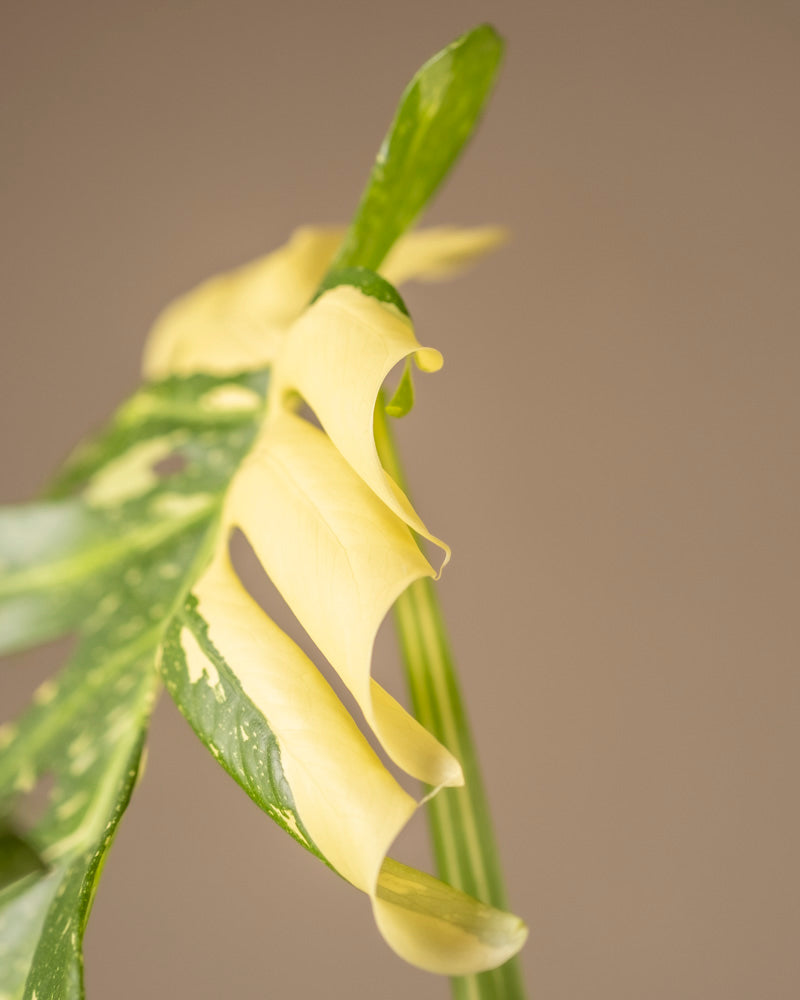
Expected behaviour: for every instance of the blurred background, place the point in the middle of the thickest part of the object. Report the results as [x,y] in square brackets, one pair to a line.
[611,450]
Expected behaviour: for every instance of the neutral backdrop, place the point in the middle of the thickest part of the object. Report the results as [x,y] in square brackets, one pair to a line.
[611,450]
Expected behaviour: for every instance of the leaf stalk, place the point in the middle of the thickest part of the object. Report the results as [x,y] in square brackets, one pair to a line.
[459,819]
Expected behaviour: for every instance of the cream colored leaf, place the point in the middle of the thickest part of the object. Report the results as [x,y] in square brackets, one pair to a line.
[440,252]
[348,801]
[441,929]
[337,356]
[349,804]
[340,558]
[336,535]
[234,321]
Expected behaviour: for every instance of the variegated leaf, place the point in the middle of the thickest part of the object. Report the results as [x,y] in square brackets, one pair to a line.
[130,551]
[140,519]
[112,563]
[334,533]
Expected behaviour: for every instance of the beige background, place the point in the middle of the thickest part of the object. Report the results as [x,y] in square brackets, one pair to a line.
[612,450]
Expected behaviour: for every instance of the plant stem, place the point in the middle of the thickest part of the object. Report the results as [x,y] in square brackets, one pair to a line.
[463,839]
[436,116]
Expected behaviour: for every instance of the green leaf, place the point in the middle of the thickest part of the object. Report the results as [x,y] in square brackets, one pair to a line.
[366,281]
[18,857]
[53,556]
[115,564]
[89,737]
[56,589]
[437,114]
[59,557]
[228,722]
[373,284]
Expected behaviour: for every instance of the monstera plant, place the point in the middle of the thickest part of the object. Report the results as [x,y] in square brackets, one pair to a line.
[262,411]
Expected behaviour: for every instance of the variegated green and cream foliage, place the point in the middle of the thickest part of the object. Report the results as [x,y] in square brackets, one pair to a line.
[334,533]
[137,563]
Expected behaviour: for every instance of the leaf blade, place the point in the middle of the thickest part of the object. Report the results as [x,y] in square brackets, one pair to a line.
[436,116]
[325,786]
[151,545]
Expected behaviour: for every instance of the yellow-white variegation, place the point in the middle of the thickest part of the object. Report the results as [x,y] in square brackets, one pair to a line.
[336,535]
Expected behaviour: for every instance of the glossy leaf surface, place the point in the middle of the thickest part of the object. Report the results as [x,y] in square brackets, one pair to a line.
[437,115]
[332,530]
[139,568]
[120,559]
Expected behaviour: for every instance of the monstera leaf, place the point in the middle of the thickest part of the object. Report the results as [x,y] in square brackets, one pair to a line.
[112,563]
[130,551]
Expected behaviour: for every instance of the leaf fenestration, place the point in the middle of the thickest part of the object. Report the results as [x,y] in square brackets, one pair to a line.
[141,560]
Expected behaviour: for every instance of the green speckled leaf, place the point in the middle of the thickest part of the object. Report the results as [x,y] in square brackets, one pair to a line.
[229,723]
[89,738]
[113,563]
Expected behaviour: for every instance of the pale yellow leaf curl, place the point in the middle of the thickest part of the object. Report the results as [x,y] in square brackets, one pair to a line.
[334,533]
[235,321]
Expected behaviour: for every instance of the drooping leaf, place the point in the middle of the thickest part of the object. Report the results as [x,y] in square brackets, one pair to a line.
[333,531]
[139,512]
[130,551]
